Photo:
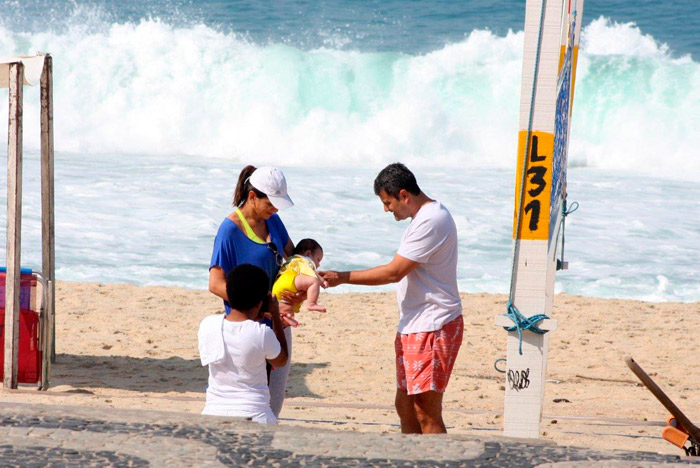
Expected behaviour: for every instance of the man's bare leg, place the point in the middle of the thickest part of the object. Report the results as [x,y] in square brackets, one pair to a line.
[428,409]
[405,408]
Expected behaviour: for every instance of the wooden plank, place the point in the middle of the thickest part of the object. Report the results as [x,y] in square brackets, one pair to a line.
[48,246]
[544,133]
[14,225]
[503,321]
[526,372]
[649,383]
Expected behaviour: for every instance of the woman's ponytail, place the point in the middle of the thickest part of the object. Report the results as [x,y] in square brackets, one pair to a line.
[240,195]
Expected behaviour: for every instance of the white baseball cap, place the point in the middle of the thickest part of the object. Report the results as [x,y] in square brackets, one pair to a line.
[270,181]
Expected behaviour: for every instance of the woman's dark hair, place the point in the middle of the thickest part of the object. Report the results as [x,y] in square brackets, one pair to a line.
[246,286]
[394,178]
[243,187]
[304,245]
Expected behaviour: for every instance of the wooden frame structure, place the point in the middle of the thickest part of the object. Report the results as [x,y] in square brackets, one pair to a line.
[550,53]
[15,72]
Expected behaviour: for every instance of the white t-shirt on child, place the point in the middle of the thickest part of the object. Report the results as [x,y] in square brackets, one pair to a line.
[238,383]
[428,296]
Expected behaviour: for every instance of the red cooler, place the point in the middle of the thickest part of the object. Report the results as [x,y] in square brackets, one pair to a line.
[29,353]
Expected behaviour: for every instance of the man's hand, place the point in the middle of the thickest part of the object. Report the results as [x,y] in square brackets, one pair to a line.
[332,278]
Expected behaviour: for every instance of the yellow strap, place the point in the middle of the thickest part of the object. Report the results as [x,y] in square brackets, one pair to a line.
[248,230]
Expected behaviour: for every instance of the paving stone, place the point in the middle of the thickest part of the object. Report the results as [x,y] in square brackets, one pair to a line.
[76,436]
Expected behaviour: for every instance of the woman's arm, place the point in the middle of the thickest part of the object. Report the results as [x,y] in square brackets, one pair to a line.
[278,328]
[289,249]
[217,282]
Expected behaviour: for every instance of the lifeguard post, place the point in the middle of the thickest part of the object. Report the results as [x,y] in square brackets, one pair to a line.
[15,72]
[550,52]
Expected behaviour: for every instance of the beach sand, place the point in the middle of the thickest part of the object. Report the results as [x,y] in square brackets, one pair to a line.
[127,346]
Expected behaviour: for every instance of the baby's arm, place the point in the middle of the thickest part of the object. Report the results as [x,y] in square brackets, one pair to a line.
[312,286]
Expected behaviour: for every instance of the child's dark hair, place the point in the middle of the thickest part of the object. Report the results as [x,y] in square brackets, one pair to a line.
[304,245]
[246,286]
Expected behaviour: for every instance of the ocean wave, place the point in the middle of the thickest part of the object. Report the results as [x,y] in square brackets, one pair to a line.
[154,88]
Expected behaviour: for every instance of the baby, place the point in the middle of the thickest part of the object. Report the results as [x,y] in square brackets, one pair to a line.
[299,274]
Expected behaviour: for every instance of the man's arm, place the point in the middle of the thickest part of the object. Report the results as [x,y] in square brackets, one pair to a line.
[392,272]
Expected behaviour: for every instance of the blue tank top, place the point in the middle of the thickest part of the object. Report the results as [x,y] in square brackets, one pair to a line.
[232,247]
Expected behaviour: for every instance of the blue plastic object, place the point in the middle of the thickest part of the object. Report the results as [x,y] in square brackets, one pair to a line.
[22,271]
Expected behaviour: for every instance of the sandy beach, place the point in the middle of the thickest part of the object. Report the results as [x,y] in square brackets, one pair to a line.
[127,346]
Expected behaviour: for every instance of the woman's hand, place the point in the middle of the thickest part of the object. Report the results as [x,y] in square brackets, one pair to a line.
[294,298]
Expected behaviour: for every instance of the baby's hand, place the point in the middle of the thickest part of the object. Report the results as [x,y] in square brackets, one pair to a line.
[324,283]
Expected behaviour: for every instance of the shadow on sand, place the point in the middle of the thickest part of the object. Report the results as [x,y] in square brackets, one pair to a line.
[156,375]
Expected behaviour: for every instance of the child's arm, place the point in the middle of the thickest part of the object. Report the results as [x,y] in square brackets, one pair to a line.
[277,327]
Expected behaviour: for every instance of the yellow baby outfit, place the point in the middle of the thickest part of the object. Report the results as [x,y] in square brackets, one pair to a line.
[295,266]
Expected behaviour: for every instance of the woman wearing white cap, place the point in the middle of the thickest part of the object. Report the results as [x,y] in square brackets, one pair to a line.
[254,234]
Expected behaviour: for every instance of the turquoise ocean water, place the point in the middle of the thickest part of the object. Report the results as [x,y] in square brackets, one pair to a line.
[160,103]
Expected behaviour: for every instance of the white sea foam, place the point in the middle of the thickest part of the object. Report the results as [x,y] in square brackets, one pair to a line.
[153,122]
[151,88]
[138,220]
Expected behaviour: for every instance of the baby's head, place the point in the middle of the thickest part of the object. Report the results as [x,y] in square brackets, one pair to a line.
[310,248]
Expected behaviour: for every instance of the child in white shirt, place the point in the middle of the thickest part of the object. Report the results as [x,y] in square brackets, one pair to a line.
[237,346]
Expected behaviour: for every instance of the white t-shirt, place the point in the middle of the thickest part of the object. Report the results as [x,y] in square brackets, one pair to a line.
[428,296]
[238,383]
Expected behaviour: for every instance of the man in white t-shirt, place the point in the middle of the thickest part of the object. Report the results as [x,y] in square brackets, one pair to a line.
[430,311]
[237,346]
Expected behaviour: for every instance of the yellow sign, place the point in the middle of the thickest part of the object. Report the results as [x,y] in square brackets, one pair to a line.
[534,218]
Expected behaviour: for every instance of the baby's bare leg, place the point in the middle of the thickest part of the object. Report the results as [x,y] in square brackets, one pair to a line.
[312,286]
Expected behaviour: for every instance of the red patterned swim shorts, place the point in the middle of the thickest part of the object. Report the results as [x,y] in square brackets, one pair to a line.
[424,360]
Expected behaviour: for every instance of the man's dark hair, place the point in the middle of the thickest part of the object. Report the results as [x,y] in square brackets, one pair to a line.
[395,177]
[246,286]
[306,244]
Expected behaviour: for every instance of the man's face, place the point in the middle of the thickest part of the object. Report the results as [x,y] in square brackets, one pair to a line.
[397,206]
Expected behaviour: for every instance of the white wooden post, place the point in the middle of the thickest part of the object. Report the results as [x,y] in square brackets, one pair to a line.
[48,264]
[543,135]
[14,225]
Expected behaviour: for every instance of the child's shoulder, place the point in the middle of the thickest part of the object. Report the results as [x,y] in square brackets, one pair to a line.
[305,266]
[211,321]
[301,260]
[259,327]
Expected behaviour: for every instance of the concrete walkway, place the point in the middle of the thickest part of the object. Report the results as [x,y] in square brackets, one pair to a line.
[38,435]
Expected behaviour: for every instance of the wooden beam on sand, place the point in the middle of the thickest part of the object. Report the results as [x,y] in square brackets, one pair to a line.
[14,225]
[48,245]
[550,49]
